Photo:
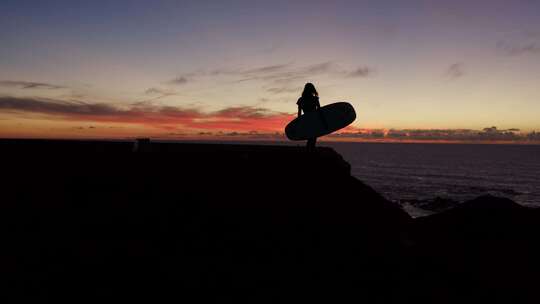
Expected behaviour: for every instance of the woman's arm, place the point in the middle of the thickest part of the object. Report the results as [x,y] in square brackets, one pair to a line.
[299,110]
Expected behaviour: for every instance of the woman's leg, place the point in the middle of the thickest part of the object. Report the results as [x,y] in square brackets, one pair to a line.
[311,143]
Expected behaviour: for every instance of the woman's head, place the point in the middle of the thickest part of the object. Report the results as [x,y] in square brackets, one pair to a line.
[309,90]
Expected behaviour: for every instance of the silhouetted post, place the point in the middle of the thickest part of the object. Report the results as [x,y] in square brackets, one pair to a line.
[141,145]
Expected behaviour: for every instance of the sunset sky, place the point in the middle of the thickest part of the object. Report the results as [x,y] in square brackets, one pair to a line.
[168,68]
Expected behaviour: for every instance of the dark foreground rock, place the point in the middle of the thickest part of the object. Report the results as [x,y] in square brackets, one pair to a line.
[227,223]
[437,204]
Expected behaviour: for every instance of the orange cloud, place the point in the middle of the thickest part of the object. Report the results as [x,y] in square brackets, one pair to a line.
[165,117]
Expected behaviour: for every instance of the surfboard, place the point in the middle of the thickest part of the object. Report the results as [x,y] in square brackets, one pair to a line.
[323,121]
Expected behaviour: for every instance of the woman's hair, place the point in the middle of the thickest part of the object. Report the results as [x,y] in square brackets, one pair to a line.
[309,90]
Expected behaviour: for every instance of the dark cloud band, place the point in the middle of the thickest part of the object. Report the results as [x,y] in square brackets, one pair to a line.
[29,85]
[280,73]
[232,118]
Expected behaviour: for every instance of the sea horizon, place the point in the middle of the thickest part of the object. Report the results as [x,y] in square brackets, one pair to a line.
[242,140]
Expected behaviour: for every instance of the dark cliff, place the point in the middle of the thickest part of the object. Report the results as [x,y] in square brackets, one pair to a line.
[241,222]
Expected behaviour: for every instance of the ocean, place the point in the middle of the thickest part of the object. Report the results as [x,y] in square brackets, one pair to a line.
[429,178]
[425,178]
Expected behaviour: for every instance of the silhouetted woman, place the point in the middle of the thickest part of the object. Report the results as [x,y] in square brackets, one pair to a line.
[309,102]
